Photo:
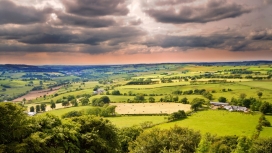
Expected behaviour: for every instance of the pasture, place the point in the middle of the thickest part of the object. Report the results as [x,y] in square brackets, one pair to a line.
[267,131]
[62,110]
[219,122]
[127,121]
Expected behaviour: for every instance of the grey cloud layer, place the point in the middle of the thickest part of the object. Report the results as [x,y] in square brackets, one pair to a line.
[102,26]
[12,13]
[96,7]
[214,10]
[225,42]
[68,19]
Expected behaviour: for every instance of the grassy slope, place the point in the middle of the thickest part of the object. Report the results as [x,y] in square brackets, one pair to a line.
[60,112]
[219,122]
[127,121]
[267,131]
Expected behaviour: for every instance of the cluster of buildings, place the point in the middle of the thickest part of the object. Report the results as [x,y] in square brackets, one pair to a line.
[228,107]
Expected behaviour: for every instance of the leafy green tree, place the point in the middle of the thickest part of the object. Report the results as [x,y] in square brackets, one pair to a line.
[110,109]
[260,94]
[127,135]
[105,99]
[70,97]
[180,114]
[176,139]
[222,99]
[43,107]
[197,103]
[97,134]
[13,124]
[52,104]
[74,102]
[261,145]
[97,102]
[72,114]
[208,95]
[24,100]
[151,99]
[223,144]
[51,135]
[205,143]
[265,108]
[243,145]
[246,103]
[184,100]
[139,98]
[84,101]
[38,108]
[96,88]
[176,99]
[65,103]
[32,109]
[115,92]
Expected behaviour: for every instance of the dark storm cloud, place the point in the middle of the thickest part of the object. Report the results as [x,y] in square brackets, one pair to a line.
[114,36]
[225,42]
[171,2]
[16,48]
[48,39]
[93,8]
[186,41]
[39,38]
[12,13]
[22,31]
[214,10]
[72,20]
[67,48]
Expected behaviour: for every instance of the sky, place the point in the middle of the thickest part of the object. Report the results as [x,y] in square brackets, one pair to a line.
[86,32]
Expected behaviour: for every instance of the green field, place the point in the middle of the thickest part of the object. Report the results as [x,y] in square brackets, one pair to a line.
[61,111]
[259,84]
[127,121]
[219,122]
[267,131]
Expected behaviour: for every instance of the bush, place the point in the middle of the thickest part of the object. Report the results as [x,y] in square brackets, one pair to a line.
[177,115]
[72,114]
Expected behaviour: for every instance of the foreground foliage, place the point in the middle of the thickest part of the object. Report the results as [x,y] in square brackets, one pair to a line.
[48,133]
[89,133]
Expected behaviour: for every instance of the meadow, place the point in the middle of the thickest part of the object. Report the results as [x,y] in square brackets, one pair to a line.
[218,122]
[128,121]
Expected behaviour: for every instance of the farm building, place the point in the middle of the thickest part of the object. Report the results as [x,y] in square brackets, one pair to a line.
[98,92]
[236,108]
[219,104]
[31,113]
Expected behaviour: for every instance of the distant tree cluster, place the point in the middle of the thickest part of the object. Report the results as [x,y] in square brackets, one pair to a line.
[100,101]
[180,114]
[105,111]
[38,108]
